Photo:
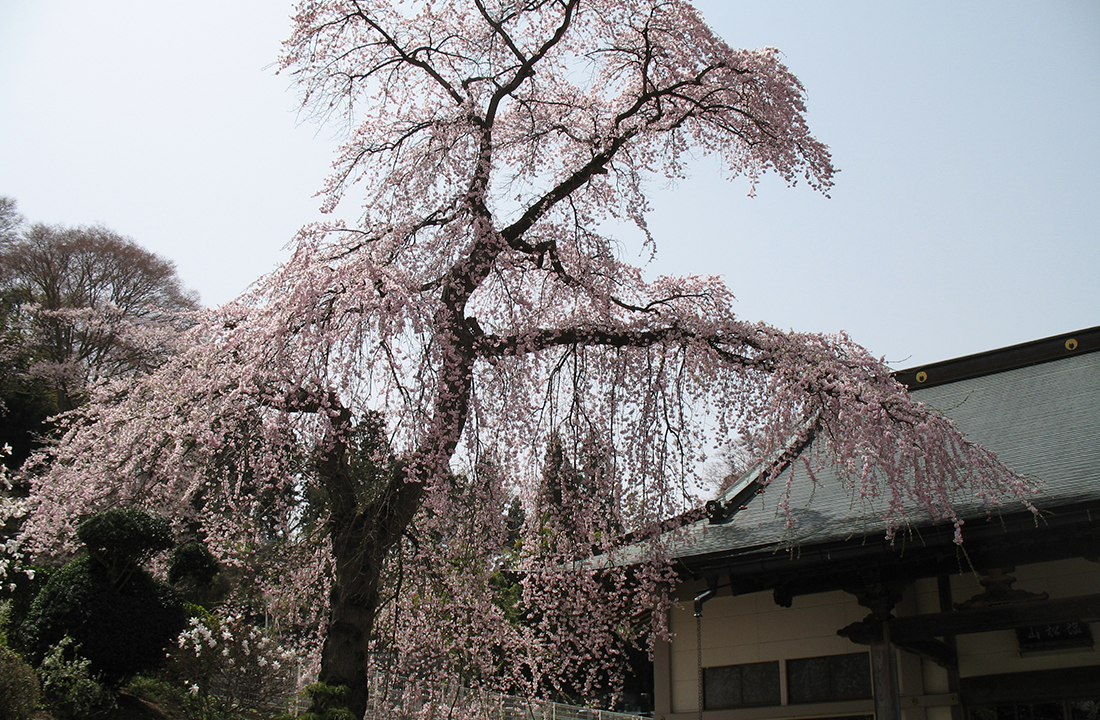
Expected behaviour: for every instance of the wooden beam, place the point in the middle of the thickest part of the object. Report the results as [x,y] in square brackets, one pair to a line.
[916,628]
[937,651]
[866,631]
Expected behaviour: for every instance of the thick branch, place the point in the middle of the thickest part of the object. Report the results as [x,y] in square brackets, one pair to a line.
[596,166]
[543,339]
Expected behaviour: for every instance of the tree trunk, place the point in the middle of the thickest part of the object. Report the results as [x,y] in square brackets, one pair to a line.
[363,536]
[360,543]
[353,604]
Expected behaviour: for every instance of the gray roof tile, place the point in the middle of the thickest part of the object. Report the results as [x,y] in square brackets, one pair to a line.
[1042,421]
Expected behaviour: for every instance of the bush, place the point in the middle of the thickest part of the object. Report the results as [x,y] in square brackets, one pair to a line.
[192,561]
[122,539]
[69,688]
[19,690]
[228,661]
[121,617]
[122,628]
[185,705]
[18,592]
[196,575]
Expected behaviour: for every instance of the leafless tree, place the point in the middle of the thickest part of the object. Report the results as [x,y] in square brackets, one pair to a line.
[10,219]
[86,302]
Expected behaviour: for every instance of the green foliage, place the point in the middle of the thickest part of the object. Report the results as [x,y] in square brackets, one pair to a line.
[326,702]
[19,690]
[197,577]
[514,521]
[70,689]
[26,403]
[122,628]
[200,613]
[372,465]
[192,561]
[508,596]
[18,591]
[181,702]
[121,616]
[164,693]
[124,537]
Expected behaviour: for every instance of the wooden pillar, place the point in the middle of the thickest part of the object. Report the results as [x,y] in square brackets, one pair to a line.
[880,595]
[943,587]
[884,675]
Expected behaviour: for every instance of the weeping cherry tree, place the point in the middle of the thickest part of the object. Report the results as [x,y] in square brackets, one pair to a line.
[478,308]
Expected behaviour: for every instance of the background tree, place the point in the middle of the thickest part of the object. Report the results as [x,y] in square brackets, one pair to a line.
[577,501]
[10,219]
[481,303]
[89,304]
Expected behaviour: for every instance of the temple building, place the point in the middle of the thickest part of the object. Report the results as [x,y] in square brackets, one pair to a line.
[814,612]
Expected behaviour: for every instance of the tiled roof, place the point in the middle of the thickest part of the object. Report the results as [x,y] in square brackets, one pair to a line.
[1042,420]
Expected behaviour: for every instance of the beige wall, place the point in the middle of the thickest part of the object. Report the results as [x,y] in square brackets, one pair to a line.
[994,653]
[752,628]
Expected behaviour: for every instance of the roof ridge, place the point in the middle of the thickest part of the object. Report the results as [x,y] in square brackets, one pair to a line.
[1003,359]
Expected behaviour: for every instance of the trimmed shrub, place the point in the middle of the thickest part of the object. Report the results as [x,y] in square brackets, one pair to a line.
[192,561]
[121,617]
[122,628]
[123,538]
[196,575]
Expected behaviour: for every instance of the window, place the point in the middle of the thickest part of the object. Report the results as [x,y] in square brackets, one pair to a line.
[833,677]
[1048,710]
[741,685]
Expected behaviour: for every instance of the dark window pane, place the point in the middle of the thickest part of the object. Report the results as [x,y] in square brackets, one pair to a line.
[993,712]
[851,676]
[722,686]
[1040,711]
[741,685]
[808,679]
[760,683]
[1084,709]
[835,677]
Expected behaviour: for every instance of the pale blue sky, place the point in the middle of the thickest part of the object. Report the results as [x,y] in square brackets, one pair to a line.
[966,215]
